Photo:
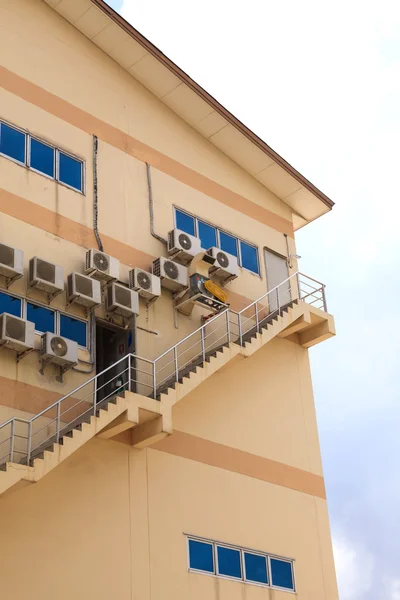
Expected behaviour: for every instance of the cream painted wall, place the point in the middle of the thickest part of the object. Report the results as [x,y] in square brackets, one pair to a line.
[263,404]
[127,511]
[59,58]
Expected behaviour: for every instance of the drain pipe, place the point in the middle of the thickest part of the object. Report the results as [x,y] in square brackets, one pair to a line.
[151,208]
[95,195]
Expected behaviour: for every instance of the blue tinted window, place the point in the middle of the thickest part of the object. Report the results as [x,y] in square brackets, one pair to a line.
[42,157]
[12,143]
[256,567]
[184,222]
[229,562]
[10,305]
[70,171]
[201,556]
[207,235]
[228,243]
[73,329]
[249,257]
[42,317]
[281,574]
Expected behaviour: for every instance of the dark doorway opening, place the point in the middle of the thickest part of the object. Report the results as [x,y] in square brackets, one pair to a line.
[112,344]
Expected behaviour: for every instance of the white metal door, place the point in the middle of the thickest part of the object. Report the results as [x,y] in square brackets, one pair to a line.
[277,272]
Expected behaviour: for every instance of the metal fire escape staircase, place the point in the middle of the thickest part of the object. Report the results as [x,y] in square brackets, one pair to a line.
[135,395]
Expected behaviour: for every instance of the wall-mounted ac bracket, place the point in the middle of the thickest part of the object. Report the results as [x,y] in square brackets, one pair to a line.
[49,297]
[21,355]
[63,369]
[199,299]
[10,280]
[88,311]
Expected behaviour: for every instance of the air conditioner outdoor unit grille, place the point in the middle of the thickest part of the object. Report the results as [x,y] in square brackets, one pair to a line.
[84,285]
[11,262]
[7,255]
[146,284]
[58,350]
[101,266]
[173,275]
[16,333]
[123,296]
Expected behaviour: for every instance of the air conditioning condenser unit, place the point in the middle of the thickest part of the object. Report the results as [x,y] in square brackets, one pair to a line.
[225,266]
[173,275]
[16,334]
[146,284]
[58,350]
[83,290]
[121,300]
[182,246]
[45,276]
[101,266]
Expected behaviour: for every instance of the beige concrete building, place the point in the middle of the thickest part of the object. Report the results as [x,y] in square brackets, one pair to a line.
[158,437]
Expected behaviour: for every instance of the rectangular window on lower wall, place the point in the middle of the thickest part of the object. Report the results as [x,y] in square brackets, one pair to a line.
[41,157]
[249,566]
[210,236]
[45,318]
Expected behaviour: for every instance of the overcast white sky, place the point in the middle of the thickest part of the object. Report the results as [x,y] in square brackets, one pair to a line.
[320,83]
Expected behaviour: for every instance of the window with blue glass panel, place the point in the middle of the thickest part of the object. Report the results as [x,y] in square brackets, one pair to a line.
[201,556]
[229,563]
[211,236]
[10,304]
[255,567]
[12,143]
[249,257]
[228,243]
[207,235]
[73,329]
[185,222]
[281,574]
[70,171]
[44,318]
[42,157]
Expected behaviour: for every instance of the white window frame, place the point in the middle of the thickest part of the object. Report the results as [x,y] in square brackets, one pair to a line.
[218,230]
[57,150]
[242,550]
[57,314]
[14,160]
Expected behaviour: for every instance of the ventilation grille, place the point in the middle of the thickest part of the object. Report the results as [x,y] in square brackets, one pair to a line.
[101,261]
[6,255]
[185,241]
[45,271]
[15,329]
[84,285]
[144,280]
[171,270]
[157,267]
[59,346]
[223,260]
[123,296]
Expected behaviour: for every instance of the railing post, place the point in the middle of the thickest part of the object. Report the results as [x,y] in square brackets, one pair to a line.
[28,454]
[12,441]
[298,285]
[324,299]
[129,373]
[278,299]
[95,396]
[257,320]
[240,330]
[228,327]
[176,363]
[58,422]
[154,381]
[203,347]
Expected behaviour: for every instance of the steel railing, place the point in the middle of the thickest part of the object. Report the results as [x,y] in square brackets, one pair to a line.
[23,439]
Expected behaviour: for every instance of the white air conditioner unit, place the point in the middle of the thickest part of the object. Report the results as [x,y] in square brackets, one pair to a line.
[11,262]
[146,284]
[101,266]
[121,300]
[45,276]
[58,350]
[182,246]
[173,275]
[225,266]
[83,290]
[15,333]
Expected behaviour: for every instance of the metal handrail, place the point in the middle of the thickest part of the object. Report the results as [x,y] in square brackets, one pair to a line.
[240,320]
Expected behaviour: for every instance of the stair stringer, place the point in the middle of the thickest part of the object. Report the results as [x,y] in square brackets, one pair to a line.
[277,326]
[16,474]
